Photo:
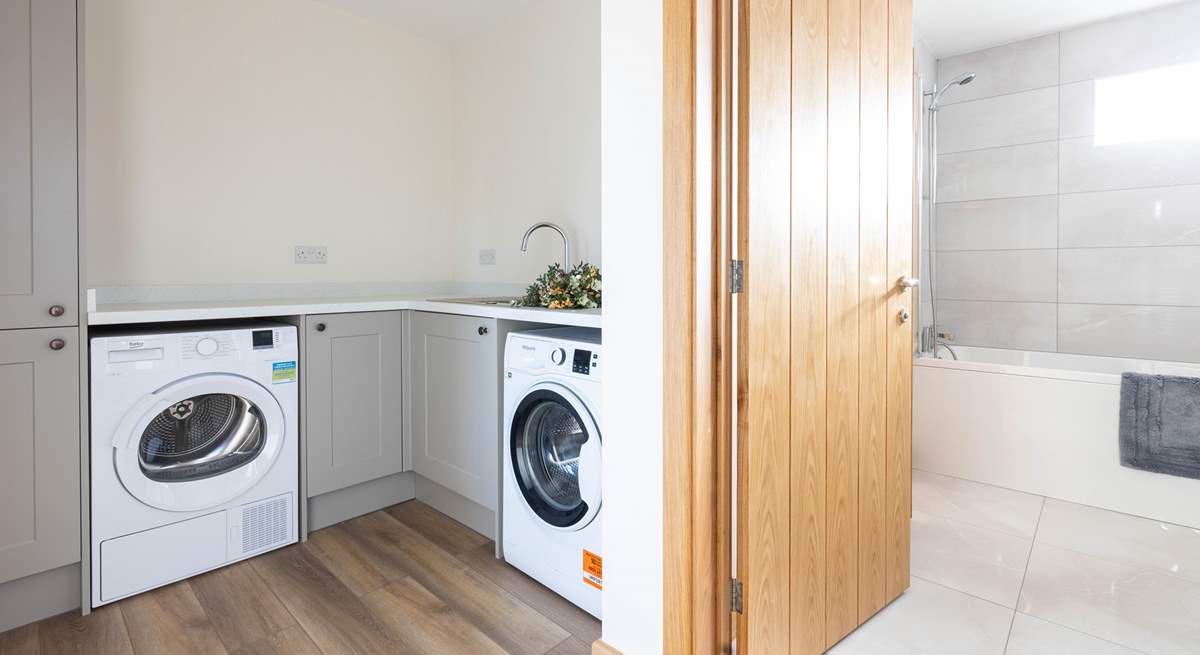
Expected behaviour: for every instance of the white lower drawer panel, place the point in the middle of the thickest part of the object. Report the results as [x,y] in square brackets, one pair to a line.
[154,557]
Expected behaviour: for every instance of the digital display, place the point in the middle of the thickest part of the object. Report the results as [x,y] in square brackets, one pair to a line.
[263,338]
[582,362]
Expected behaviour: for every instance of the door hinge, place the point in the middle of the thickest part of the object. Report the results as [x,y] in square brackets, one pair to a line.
[735,596]
[736,276]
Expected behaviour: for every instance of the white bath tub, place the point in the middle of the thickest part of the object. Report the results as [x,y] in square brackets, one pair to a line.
[1044,423]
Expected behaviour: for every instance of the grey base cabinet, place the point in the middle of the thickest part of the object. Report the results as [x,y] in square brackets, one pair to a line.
[39,451]
[455,399]
[352,374]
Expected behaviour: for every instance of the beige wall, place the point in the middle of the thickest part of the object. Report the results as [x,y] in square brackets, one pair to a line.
[527,139]
[221,133]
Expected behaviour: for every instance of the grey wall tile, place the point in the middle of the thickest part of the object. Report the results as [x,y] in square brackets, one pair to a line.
[1011,171]
[1151,39]
[1126,281]
[1165,333]
[1016,325]
[1077,110]
[1003,224]
[1021,66]
[1086,166]
[1160,216]
[925,314]
[1026,117]
[1130,276]
[1018,275]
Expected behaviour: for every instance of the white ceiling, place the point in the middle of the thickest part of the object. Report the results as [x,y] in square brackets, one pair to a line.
[440,20]
[951,27]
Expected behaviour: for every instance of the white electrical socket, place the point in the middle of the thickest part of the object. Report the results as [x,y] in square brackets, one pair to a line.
[487,257]
[311,254]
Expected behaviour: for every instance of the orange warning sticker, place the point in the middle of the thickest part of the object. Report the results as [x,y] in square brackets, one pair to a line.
[593,569]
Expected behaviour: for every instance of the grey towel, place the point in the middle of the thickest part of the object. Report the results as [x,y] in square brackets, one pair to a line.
[1160,424]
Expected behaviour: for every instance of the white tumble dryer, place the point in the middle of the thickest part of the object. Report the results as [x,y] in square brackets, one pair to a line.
[553,458]
[194,452]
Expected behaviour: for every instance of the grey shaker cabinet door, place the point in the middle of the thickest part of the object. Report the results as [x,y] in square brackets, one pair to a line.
[456,403]
[38,164]
[352,380]
[39,451]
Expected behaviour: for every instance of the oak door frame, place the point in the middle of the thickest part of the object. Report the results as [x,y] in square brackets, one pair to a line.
[697,324]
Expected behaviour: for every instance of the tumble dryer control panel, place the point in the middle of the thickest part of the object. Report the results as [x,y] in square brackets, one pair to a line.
[205,349]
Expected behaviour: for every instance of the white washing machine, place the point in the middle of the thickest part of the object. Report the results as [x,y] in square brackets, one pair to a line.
[553,458]
[194,454]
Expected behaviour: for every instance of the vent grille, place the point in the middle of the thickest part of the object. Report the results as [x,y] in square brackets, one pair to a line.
[265,524]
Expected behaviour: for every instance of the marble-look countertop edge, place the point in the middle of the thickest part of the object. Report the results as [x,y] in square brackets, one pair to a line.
[143,313]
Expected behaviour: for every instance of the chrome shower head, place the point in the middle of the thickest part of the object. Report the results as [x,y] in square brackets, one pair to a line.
[961,80]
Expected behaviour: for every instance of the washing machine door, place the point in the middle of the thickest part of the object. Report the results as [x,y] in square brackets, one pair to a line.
[198,442]
[556,455]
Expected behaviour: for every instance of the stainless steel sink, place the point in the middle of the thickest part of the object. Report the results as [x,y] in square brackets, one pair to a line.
[496,300]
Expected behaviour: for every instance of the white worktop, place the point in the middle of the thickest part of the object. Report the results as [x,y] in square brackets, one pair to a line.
[114,313]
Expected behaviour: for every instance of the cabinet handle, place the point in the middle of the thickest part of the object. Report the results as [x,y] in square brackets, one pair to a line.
[482,330]
[320,327]
[57,310]
[57,344]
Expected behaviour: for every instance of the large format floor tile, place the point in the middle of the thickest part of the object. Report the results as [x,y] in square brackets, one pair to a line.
[1130,540]
[979,561]
[1033,636]
[983,505]
[1137,608]
[930,618]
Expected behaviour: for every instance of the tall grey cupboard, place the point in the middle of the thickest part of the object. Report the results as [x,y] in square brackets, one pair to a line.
[40,349]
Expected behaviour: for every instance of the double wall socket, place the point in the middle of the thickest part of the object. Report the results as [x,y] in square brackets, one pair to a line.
[311,254]
[487,257]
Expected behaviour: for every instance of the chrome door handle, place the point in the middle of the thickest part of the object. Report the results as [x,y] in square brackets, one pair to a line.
[905,283]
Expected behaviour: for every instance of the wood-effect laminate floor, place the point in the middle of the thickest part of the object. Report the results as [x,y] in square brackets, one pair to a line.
[402,580]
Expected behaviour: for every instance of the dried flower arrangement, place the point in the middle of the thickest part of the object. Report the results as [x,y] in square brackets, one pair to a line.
[578,288]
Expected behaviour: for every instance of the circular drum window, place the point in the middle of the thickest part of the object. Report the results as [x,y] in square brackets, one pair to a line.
[547,439]
[201,437]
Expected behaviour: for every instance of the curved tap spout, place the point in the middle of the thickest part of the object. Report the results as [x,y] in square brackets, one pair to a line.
[566,262]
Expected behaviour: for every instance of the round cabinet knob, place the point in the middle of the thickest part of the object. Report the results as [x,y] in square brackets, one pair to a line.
[482,330]
[903,316]
[558,356]
[57,310]
[320,327]
[207,347]
[57,344]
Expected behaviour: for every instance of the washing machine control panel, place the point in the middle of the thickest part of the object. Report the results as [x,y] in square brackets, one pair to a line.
[584,361]
[534,356]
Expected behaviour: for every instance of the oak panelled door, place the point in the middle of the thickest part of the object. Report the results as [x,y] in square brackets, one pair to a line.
[825,193]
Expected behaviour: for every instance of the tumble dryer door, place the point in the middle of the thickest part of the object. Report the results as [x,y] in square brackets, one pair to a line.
[556,454]
[198,442]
